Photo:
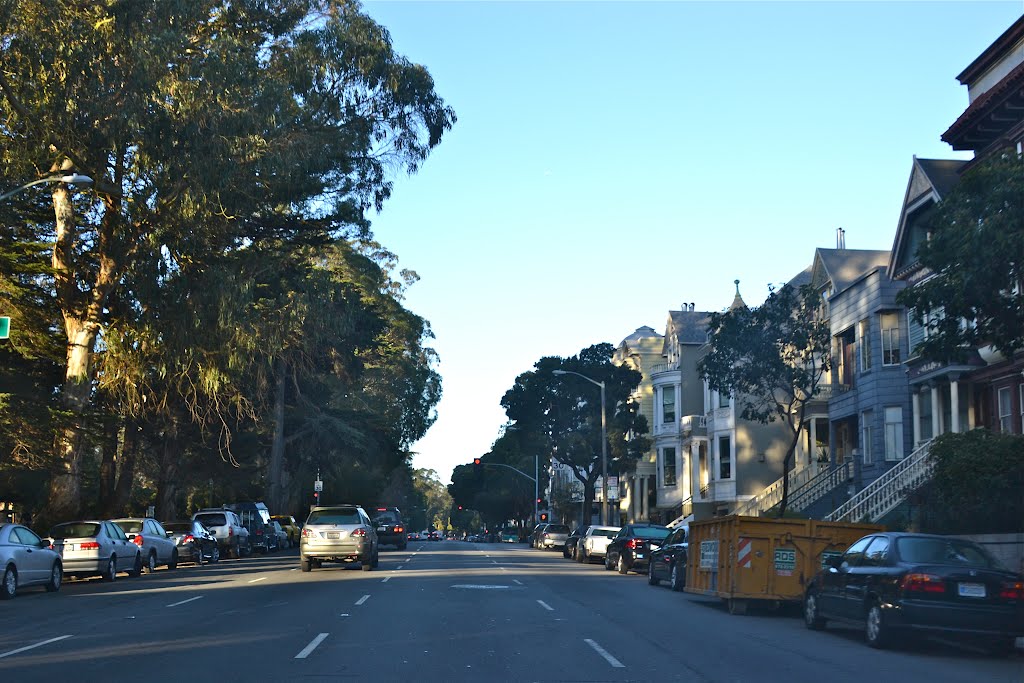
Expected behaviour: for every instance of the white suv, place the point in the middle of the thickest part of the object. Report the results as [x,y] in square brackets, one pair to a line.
[232,536]
[338,533]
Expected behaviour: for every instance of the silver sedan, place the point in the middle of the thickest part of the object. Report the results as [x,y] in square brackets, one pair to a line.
[27,560]
[156,544]
[96,548]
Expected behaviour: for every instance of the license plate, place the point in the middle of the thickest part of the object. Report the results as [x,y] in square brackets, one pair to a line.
[334,535]
[382,528]
[972,590]
[639,556]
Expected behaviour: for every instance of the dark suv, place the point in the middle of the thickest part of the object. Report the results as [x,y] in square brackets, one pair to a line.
[390,530]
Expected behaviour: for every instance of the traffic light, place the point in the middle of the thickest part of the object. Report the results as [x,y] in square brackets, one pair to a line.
[543,516]
[460,507]
[316,496]
[539,501]
[476,462]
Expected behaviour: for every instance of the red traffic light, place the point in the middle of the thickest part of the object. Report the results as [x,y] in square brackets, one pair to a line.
[539,501]
[460,507]
[476,461]
[543,516]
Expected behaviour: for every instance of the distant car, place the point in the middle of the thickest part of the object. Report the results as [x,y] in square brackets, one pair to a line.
[631,548]
[534,538]
[896,584]
[569,549]
[157,549]
[95,547]
[594,543]
[553,537]
[289,524]
[669,561]
[282,535]
[194,541]
[27,560]
[509,536]
[338,533]
[390,529]
[434,536]
[226,525]
[414,536]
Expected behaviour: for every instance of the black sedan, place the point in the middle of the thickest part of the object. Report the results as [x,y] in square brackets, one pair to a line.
[571,541]
[669,561]
[896,584]
[194,541]
[632,546]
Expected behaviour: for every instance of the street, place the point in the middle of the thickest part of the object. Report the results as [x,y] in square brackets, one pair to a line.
[440,611]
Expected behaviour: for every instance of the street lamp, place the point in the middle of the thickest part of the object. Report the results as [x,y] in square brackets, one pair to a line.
[604,444]
[73,178]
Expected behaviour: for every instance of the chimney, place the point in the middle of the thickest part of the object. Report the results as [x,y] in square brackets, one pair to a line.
[692,306]
[840,238]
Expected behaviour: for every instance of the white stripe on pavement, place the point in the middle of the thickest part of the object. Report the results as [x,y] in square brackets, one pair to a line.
[312,646]
[604,653]
[362,599]
[32,647]
[262,578]
[385,579]
[546,606]
[519,582]
[175,604]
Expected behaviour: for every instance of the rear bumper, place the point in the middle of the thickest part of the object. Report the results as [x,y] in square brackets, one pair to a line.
[980,620]
[335,551]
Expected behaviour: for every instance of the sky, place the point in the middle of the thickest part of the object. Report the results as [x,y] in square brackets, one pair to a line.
[613,160]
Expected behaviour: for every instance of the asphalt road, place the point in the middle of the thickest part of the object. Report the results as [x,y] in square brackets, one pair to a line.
[441,611]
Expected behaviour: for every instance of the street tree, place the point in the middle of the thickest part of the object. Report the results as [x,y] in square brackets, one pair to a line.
[771,360]
[975,254]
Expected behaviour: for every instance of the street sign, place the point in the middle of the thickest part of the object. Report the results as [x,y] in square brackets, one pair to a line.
[613,488]
[5,327]
[318,485]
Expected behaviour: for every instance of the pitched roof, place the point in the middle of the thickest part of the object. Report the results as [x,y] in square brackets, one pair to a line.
[845,266]
[943,174]
[802,278]
[934,178]
[691,327]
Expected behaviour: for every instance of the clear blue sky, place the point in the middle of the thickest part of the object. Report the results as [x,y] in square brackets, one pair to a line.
[612,160]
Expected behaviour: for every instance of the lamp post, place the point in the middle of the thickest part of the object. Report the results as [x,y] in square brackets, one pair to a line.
[604,444]
[74,178]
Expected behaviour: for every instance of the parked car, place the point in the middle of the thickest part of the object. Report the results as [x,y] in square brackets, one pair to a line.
[509,536]
[896,584]
[595,542]
[157,549]
[553,537]
[27,560]
[669,561]
[630,548]
[434,536]
[338,533]
[194,541]
[95,548]
[282,535]
[569,549]
[255,518]
[227,527]
[534,538]
[390,529]
[289,524]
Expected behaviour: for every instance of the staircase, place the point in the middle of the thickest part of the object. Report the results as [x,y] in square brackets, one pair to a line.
[882,495]
[772,495]
[821,485]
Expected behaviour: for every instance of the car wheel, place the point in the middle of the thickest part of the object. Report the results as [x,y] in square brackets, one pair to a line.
[173,564]
[111,573]
[56,578]
[875,629]
[678,578]
[608,562]
[151,563]
[305,564]
[215,557]
[367,565]
[812,617]
[136,569]
[9,587]
[581,555]
[236,551]
[651,578]
[622,566]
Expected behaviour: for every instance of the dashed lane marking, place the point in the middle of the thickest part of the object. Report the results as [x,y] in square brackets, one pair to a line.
[518,581]
[546,606]
[312,646]
[182,602]
[385,579]
[604,653]
[262,578]
[32,647]
[362,599]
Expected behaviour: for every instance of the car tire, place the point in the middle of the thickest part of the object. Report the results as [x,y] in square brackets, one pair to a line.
[110,575]
[215,557]
[305,565]
[621,565]
[236,551]
[812,616]
[608,562]
[651,578]
[876,631]
[136,569]
[581,555]
[9,586]
[367,565]
[151,563]
[678,577]
[173,564]
[56,578]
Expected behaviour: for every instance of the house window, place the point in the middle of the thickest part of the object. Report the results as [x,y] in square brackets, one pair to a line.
[668,466]
[723,399]
[668,405]
[893,433]
[724,458]
[890,324]
[864,345]
[846,358]
[1020,404]
[1005,411]
[866,433]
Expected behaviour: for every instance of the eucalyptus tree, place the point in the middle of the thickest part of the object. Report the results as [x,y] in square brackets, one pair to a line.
[207,125]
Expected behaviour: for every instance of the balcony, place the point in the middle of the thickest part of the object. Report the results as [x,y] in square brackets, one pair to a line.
[694,425]
[662,367]
[720,490]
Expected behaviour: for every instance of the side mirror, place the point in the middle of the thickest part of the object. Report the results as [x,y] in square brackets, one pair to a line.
[45,544]
[169,533]
[835,562]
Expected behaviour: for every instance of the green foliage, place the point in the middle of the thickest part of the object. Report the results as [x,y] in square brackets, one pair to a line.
[977,484]
[976,252]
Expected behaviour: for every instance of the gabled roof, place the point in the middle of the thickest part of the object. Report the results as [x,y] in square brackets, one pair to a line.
[802,278]
[843,267]
[930,181]
[690,327]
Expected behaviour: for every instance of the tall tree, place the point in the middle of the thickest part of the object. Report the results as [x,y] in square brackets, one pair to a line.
[975,253]
[771,359]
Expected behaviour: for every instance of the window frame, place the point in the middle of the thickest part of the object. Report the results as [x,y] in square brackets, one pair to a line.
[1005,419]
[896,453]
[867,418]
[891,349]
[665,465]
[864,344]
[725,459]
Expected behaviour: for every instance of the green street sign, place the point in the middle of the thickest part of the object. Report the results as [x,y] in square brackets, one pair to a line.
[5,327]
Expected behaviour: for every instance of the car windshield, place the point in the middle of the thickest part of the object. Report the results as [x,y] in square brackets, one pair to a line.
[212,519]
[606,533]
[557,529]
[179,527]
[334,517]
[943,551]
[387,517]
[129,526]
[651,532]
[75,530]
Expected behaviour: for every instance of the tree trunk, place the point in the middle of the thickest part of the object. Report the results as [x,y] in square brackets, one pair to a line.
[108,465]
[126,476]
[796,429]
[275,497]
[167,483]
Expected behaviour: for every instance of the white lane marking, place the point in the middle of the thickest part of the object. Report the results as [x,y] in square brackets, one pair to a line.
[494,562]
[519,582]
[293,569]
[312,646]
[385,579]
[175,604]
[32,647]
[262,578]
[546,606]
[502,569]
[362,599]
[604,653]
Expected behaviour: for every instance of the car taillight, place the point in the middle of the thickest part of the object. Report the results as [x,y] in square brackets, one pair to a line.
[138,540]
[306,533]
[634,543]
[922,583]
[231,531]
[259,532]
[1012,590]
[399,529]
[359,532]
[187,538]
[90,545]
[546,535]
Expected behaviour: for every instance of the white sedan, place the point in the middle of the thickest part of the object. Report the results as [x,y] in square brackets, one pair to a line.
[27,560]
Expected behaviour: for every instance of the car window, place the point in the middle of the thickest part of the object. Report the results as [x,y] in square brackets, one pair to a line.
[115,532]
[653,533]
[855,553]
[678,536]
[877,552]
[158,528]
[386,516]
[129,526]
[606,533]
[557,529]
[75,530]
[337,516]
[212,518]
[180,527]
[948,551]
[26,536]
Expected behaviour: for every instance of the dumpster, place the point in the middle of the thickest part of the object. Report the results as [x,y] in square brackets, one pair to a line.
[747,559]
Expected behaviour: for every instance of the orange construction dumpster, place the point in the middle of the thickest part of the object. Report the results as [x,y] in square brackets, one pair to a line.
[743,559]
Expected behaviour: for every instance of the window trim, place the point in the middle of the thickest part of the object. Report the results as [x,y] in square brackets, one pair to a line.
[890,350]
[1005,419]
[897,443]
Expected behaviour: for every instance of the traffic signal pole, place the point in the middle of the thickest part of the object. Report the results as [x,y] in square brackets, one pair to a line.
[477,462]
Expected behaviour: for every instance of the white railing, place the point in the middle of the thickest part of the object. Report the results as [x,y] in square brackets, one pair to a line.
[772,495]
[688,423]
[818,486]
[883,494]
